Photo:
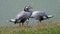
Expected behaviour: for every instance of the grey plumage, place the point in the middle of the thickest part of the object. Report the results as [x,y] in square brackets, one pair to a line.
[23,15]
[40,15]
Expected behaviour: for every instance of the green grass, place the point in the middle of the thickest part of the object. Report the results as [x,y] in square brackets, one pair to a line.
[42,28]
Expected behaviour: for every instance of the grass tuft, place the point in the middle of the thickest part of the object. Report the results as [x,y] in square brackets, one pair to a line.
[42,28]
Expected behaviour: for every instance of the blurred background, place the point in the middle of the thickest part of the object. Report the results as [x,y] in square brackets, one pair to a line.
[10,8]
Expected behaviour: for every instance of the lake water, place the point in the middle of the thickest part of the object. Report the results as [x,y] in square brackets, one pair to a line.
[9,8]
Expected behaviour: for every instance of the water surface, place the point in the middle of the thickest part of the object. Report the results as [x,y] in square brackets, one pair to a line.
[9,8]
